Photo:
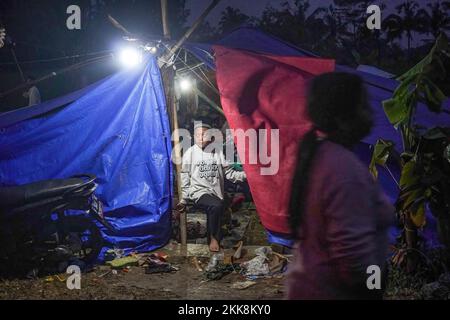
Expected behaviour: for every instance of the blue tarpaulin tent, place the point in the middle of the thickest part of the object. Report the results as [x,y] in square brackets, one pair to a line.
[116,129]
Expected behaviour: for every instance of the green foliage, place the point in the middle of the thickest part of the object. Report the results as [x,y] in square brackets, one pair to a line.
[425,178]
[413,194]
[380,156]
[425,175]
[419,85]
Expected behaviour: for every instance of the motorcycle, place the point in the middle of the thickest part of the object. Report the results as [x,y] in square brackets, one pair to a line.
[42,230]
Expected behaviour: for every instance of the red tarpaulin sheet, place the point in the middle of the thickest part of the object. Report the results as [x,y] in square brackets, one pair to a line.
[268,92]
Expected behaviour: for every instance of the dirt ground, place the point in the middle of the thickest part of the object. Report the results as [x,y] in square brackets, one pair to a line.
[186,283]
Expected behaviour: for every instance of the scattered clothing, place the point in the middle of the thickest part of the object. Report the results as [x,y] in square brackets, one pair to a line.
[221,270]
[112,254]
[157,263]
[123,262]
[258,266]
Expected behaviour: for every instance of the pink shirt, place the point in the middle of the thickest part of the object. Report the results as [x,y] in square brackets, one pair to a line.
[344,229]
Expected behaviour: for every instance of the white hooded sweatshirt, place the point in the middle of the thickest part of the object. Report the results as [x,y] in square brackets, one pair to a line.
[204,172]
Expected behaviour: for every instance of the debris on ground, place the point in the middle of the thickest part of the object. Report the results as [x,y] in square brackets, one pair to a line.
[258,266]
[243,285]
[237,201]
[265,264]
[227,259]
[221,270]
[237,229]
[196,226]
[106,273]
[238,250]
[437,290]
[112,254]
[219,266]
[214,261]
[277,264]
[157,263]
[135,278]
[197,264]
[123,262]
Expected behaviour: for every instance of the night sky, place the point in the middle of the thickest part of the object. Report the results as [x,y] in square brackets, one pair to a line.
[255,7]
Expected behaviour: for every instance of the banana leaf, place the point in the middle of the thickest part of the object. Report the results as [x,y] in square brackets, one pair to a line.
[382,151]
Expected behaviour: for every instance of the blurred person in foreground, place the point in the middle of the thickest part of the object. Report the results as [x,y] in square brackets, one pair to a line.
[338,214]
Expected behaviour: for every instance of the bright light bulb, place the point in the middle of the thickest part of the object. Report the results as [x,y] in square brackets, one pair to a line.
[185,85]
[130,57]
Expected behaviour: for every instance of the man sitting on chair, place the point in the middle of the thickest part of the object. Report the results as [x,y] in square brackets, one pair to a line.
[202,180]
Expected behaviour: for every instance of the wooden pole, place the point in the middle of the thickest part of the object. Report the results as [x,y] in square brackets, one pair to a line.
[172,106]
[172,101]
[178,159]
[55,73]
[188,33]
[13,53]
[195,25]
[209,101]
[165,19]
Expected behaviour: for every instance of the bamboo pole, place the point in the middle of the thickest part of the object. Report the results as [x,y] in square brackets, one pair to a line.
[195,25]
[178,159]
[209,101]
[13,53]
[172,101]
[177,152]
[188,33]
[172,106]
[165,19]
[55,73]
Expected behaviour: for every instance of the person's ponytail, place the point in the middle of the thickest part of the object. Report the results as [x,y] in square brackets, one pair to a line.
[306,153]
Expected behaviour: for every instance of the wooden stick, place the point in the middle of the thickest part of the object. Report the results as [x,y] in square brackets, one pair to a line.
[56,73]
[165,19]
[169,86]
[172,103]
[177,146]
[174,115]
[188,33]
[17,64]
[118,25]
[170,81]
[209,101]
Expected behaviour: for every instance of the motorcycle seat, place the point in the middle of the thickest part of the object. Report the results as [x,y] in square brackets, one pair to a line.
[14,196]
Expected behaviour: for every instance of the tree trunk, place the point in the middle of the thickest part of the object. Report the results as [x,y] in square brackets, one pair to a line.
[411,236]
[444,236]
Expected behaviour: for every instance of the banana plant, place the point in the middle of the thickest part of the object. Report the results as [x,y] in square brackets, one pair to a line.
[425,166]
